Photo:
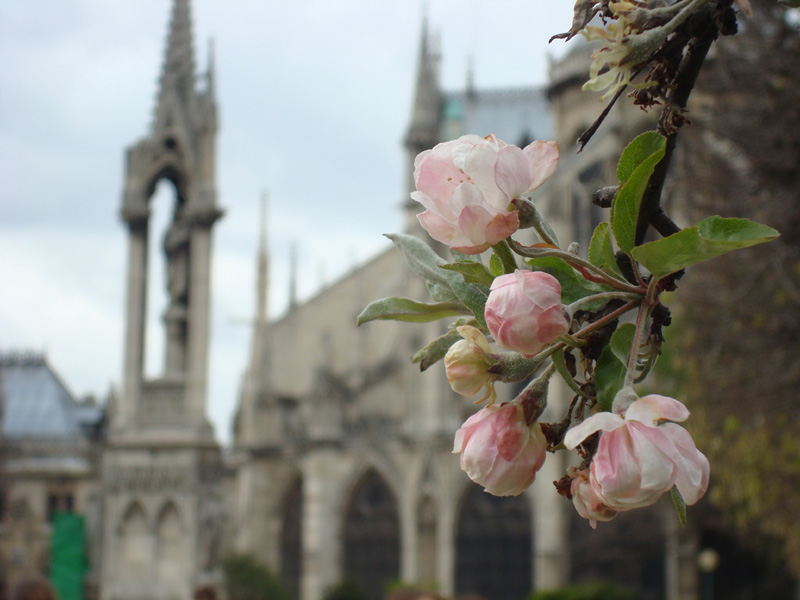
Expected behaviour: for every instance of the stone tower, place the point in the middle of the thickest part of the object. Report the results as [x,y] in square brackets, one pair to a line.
[162,466]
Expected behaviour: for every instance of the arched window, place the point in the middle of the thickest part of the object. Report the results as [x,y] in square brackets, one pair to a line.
[493,546]
[371,536]
[291,538]
[628,550]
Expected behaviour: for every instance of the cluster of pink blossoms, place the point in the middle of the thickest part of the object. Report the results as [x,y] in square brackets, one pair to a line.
[468,187]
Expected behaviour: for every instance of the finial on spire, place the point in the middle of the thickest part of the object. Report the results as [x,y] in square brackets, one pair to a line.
[178,71]
[293,275]
[263,264]
[210,71]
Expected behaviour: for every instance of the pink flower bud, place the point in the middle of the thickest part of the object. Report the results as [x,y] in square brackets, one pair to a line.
[524,312]
[467,363]
[467,186]
[643,454]
[499,450]
[587,502]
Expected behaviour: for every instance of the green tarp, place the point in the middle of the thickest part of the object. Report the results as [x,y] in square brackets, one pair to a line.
[68,555]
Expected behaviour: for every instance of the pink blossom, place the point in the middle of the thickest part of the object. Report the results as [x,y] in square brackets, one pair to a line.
[643,454]
[467,186]
[524,312]
[467,362]
[499,450]
[586,501]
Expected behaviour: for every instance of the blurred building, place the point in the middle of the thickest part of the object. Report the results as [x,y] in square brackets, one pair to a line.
[51,448]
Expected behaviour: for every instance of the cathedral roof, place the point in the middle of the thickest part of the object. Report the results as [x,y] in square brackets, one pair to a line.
[516,116]
[36,404]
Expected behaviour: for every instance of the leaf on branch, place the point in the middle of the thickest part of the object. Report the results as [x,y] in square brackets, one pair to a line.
[420,257]
[680,504]
[473,295]
[710,238]
[601,251]
[495,265]
[561,366]
[635,166]
[441,293]
[406,309]
[573,285]
[436,349]
[473,272]
[612,365]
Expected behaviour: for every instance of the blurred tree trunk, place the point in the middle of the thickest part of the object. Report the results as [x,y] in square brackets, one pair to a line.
[739,316]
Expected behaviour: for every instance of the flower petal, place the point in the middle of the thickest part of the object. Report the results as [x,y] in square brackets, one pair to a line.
[602,421]
[544,157]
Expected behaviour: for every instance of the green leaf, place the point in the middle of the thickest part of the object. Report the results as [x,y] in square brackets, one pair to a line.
[601,251]
[573,285]
[473,272]
[612,365]
[441,293]
[635,166]
[641,148]
[495,265]
[420,257]
[473,295]
[435,350]
[406,309]
[710,238]
[680,504]
[561,366]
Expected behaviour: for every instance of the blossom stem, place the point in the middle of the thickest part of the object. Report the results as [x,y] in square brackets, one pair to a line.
[503,252]
[606,319]
[603,296]
[584,266]
[571,340]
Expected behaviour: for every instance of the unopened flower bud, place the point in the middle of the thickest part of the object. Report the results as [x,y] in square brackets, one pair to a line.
[586,501]
[524,311]
[500,450]
[467,365]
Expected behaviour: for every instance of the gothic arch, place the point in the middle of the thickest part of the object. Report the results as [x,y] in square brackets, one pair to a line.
[372,535]
[378,464]
[291,542]
[135,549]
[494,544]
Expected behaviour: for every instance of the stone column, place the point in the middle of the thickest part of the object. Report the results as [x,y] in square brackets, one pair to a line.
[550,520]
[321,524]
[198,321]
[136,310]
[446,536]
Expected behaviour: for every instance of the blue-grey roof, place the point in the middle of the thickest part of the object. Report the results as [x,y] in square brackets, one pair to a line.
[513,115]
[36,404]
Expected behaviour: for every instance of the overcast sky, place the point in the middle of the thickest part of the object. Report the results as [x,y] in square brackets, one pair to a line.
[314,98]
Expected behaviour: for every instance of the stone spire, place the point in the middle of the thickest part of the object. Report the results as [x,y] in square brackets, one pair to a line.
[177,74]
[423,131]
